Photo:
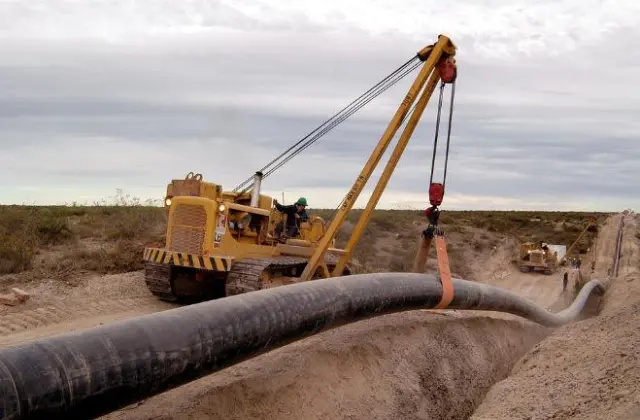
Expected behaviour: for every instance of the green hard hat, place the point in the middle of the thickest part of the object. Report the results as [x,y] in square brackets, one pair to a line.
[302,201]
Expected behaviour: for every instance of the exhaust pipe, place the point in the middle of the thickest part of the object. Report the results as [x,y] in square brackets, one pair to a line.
[255,192]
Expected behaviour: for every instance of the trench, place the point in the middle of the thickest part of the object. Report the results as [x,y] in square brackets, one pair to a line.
[412,365]
[406,363]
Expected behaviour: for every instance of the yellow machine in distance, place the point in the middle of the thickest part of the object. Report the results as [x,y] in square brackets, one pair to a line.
[537,256]
[221,243]
[541,256]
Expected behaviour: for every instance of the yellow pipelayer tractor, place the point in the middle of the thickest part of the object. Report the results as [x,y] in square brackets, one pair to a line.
[541,256]
[221,243]
[538,257]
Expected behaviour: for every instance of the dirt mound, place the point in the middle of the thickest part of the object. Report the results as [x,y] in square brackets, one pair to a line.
[605,244]
[416,365]
[410,365]
[586,370]
[500,270]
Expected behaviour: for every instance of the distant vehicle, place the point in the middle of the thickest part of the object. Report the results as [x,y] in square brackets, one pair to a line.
[539,256]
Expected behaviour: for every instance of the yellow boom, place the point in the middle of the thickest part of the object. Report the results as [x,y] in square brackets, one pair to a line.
[431,56]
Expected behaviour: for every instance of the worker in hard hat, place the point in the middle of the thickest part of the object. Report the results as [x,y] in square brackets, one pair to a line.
[296,214]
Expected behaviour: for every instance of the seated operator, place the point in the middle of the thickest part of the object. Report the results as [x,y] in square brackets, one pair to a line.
[296,214]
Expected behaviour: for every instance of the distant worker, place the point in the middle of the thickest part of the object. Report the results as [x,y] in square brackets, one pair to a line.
[296,214]
[565,280]
[579,263]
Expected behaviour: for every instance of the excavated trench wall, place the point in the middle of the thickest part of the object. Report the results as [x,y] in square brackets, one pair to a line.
[414,365]
[431,366]
[586,370]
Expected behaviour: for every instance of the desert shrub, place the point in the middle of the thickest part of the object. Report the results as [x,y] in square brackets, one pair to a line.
[122,226]
[384,221]
[23,230]
[52,228]
[478,245]
[17,253]
[126,217]
[122,257]
[134,223]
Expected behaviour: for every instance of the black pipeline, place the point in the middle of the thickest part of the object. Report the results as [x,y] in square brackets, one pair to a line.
[90,373]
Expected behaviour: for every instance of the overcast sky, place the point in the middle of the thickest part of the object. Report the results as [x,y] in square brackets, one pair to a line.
[97,96]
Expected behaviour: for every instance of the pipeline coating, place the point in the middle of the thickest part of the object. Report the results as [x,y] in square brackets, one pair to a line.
[89,373]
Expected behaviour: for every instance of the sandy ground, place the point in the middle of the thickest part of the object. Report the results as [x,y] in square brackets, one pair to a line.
[413,365]
[53,309]
[417,365]
[585,370]
[543,289]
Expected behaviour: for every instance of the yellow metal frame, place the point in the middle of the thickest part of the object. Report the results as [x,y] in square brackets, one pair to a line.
[431,55]
[592,222]
[316,239]
[229,247]
[183,259]
[210,208]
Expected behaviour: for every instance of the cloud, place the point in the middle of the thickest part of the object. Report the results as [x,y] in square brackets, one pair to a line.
[104,95]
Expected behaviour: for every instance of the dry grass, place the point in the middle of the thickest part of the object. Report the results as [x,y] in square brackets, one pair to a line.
[395,233]
[109,236]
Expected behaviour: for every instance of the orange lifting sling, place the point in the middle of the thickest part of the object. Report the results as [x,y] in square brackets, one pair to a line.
[448,74]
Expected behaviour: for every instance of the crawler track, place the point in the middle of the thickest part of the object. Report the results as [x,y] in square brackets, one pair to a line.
[253,274]
[246,275]
[158,279]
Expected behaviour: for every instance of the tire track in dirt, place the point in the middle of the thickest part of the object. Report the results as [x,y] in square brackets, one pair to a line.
[39,317]
[52,319]
[54,309]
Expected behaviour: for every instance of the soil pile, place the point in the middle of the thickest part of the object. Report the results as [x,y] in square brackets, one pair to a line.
[586,370]
[414,365]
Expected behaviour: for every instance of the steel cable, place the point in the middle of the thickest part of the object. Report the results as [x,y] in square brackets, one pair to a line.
[338,118]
